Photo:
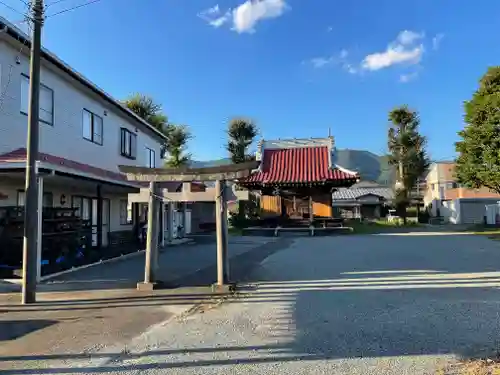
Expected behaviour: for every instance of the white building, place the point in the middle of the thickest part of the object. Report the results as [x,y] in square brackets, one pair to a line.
[84,135]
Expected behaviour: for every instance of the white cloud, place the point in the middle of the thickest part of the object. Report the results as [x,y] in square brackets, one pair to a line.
[392,56]
[245,17]
[407,37]
[436,41]
[338,60]
[214,17]
[248,14]
[321,62]
[405,78]
[405,49]
[349,68]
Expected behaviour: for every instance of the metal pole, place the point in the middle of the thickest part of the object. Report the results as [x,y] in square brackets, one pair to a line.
[31,204]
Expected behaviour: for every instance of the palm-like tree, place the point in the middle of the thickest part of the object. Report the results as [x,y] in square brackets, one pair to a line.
[145,107]
[177,135]
[407,152]
[241,133]
[178,138]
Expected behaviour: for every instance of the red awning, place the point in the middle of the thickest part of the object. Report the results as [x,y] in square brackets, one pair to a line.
[298,165]
[19,155]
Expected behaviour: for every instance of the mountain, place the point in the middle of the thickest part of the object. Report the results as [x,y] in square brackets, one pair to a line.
[370,166]
[210,163]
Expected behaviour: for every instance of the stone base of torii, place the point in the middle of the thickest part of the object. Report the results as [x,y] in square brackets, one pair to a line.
[220,175]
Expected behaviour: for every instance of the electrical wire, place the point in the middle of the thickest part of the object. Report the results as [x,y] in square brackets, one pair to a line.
[72,8]
[25,3]
[13,9]
[54,3]
[9,78]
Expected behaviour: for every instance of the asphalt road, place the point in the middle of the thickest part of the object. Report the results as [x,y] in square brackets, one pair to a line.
[381,304]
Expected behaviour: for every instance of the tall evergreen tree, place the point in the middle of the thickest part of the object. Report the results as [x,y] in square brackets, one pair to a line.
[478,162]
[241,134]
[407,151]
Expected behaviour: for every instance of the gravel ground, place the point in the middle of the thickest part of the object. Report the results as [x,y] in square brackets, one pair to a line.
[73,325]
[406,304]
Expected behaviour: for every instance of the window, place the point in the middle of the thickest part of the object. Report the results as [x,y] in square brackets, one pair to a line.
[92,127]
[128,144]
[48,199]
[125,212]
[150,158]
[432,187]
[46,110]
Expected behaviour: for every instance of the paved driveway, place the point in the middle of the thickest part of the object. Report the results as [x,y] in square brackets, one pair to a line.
[381,304]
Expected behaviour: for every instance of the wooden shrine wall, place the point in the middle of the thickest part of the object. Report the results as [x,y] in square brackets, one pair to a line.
[272,205]
[322,205]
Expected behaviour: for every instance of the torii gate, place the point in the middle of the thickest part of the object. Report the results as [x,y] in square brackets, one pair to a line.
[220,175]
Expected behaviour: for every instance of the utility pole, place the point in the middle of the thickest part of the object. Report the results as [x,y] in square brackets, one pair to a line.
[31,203]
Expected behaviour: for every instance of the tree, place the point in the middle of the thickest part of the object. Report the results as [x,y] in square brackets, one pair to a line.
[178,137]
[407,153]
[146,108]
[478,162]
[241,134]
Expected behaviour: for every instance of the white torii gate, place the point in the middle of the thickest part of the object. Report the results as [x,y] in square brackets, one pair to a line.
[220,175]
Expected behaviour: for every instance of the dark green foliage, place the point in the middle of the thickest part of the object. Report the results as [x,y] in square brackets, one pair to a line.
[177,135]
[178,138]
[407,153]
[478,163]
[146,108]
[241,134]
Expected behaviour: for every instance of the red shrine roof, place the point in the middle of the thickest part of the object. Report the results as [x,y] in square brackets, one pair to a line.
[299,165]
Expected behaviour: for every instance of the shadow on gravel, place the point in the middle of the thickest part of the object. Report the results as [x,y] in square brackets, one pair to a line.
[14,329]
[350,303]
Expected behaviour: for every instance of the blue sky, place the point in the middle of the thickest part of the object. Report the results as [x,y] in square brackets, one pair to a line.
[296,67]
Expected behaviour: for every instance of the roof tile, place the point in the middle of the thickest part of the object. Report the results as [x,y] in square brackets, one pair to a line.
[298,165]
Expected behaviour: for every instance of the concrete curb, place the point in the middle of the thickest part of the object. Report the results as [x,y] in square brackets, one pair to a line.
[111,260]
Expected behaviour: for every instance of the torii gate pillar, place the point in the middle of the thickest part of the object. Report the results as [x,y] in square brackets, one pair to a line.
[220,175]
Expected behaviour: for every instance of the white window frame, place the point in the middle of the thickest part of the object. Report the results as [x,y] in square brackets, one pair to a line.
[25,79]
[93,134]
[128,144]
[125,218]
[150,157]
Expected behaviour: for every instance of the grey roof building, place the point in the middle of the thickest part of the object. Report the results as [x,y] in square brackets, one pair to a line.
[364,199]
[362,189]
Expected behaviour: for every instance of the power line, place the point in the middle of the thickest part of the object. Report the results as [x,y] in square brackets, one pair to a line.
[54,3]
[13,9]
[9,78]
[25,3]
[72,8]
